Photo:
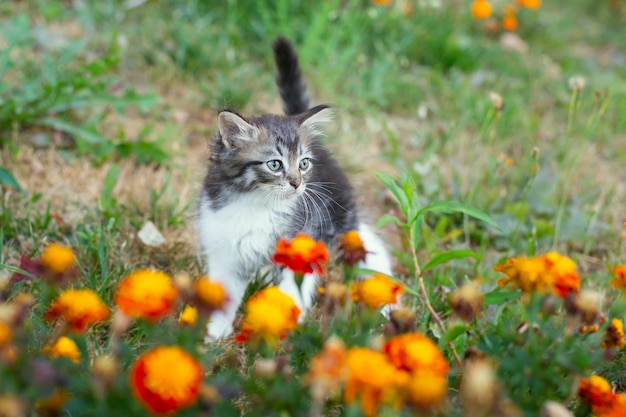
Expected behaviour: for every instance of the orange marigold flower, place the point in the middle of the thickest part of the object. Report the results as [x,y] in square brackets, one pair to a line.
[189,316]
[614,335]
[620,277]
[146,294]
[328,370]
[566,278]
[376,291]
[301,255]
[617,408]
[64,347]
[6,334]
[597,392]
[57,258]
[351,247]
[509,21]
[209,295]
[373,379]
[382,2]
[80,308]
[414,351]
[426,388]
[166,379]
[481,9]
[270,315]
[531,4]
[549,273]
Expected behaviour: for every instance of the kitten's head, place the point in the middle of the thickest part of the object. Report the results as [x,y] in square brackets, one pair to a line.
[272,154]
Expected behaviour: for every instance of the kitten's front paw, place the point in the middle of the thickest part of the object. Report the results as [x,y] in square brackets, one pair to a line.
[218,328]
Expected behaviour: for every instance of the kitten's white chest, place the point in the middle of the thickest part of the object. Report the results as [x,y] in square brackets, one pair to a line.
[245,231]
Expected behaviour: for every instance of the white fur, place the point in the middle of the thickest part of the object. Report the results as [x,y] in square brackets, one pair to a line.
[239,238]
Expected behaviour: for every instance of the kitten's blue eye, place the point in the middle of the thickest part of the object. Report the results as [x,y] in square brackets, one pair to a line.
[305,163]
[274,165]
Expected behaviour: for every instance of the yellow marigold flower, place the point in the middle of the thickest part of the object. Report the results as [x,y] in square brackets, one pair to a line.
[166,379]
[550,273]
[328,370]
[620,277]
[80,308]
[481,9]
[509,21]
[597,392]
[614,335]
[270,314]
[189,316]
[6,334]
[57,258]
[376,291]
[373,379]
[146,294]
[531,4]
[302,255]
[427,388]
[64,347]
[209,295]
[351,247]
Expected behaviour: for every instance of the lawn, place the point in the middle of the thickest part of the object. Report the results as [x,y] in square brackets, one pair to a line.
[475,133]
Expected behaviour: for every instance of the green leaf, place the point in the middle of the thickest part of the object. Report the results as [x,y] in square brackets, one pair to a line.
[498,297]
[106,201]
[395,189]
[454,332]
[16,269]
[6,178]
[72,129]
[456,207]
[387,219]
[448,256]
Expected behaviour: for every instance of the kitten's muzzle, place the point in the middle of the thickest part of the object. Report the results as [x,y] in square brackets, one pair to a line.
[294,181]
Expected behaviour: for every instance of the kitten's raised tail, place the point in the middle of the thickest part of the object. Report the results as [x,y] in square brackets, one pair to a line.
[291,85]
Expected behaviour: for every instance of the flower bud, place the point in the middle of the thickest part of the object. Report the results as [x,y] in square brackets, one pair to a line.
[264,368]
[554,409]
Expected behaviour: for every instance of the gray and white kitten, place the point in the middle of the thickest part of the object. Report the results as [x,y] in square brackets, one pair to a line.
[270,177]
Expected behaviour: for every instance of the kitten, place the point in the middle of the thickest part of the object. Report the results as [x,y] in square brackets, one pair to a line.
[270,177]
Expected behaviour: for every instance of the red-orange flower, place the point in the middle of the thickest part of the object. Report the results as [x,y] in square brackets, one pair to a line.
[166,379]
[597,392]
[620,277]
[302,254]
[328,370]
[146,294]
[80,308]
[270,315]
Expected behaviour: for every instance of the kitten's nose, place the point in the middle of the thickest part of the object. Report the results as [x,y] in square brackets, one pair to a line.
[295,182]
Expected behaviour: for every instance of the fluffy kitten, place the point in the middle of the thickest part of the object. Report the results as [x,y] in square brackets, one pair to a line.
[270,177]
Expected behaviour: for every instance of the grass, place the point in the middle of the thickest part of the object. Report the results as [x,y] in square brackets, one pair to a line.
[110,131]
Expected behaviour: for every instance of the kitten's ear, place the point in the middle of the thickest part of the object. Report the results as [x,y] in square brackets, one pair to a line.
[234,130]
[315,116]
